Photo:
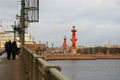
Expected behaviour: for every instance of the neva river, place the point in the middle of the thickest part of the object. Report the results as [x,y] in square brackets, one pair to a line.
[90,69]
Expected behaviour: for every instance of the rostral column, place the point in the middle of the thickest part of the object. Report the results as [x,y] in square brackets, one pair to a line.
[74,49]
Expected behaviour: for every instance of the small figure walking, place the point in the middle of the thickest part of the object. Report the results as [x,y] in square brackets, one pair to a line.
[6,46]
[14,50]
[8,49]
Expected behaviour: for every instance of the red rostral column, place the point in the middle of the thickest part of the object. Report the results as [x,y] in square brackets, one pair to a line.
[74,49]
[65,45]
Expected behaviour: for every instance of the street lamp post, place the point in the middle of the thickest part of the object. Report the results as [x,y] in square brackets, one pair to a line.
[14,28]
[23,22]
[22,18]
[47,47]
[26,8]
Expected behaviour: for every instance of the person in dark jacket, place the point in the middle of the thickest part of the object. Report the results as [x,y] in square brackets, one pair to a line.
[14,50]
[8,49]
[6,45]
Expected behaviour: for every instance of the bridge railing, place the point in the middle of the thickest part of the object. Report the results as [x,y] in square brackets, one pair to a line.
[38,69]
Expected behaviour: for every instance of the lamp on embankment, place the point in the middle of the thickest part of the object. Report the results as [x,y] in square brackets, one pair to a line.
[14,28]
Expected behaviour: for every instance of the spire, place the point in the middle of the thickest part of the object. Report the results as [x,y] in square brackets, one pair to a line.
[108,47]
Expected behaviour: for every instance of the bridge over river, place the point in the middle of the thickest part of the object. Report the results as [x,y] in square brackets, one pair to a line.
[29,66]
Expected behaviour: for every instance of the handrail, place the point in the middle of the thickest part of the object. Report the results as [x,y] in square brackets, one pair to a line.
[58,75]
[38,69]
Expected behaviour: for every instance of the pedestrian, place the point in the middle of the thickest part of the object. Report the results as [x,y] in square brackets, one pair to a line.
[8,49]
[14,50]
[6,46]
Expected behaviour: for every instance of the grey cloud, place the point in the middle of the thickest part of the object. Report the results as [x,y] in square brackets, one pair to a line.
[96,21]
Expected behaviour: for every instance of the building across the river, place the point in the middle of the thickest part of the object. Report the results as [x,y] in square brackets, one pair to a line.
[4,36]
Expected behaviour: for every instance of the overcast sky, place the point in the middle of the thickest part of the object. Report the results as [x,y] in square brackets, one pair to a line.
[96,21]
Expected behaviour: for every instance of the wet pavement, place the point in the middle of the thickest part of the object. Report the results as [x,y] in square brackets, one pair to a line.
[11,69]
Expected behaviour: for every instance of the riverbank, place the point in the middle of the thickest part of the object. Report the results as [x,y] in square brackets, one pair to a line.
[81,56]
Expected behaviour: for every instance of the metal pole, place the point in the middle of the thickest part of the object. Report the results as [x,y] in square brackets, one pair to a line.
[14,28]
[22,30]
[14,35]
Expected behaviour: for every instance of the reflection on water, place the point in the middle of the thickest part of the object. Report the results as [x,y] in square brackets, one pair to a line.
[90,69]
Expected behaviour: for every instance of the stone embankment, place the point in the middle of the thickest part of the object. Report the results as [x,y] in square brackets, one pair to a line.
[81,57]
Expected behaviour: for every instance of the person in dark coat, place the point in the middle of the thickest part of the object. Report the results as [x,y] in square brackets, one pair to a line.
[14,50]
[8,49]
[6,45]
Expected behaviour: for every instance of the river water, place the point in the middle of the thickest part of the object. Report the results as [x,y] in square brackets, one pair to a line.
[90,69]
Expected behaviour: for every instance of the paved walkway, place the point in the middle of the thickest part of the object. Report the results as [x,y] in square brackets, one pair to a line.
[11,69]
